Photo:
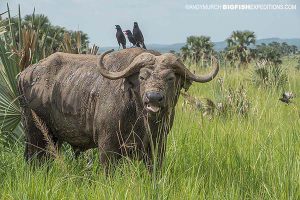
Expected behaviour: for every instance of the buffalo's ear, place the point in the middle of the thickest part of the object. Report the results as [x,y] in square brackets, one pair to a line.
[186,84]
[131,82]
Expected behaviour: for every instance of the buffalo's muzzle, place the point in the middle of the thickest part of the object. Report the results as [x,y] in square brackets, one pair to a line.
[154,96]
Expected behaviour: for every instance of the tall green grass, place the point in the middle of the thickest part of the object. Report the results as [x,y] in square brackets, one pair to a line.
[253,157]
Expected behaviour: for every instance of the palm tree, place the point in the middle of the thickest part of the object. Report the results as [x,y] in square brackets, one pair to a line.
[185,52]
[238,49]
[56,34]
[197,48]
[38,21]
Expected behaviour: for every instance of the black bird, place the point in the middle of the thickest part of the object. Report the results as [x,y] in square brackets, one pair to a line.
[138,35]
[120,37]
[286,97]
[130,37]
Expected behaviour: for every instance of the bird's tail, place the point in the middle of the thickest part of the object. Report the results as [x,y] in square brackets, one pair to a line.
[144,46]
[124,46]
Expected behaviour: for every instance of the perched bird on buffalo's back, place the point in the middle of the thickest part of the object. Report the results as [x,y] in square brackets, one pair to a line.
[120,37]
[138,35]
[130,37]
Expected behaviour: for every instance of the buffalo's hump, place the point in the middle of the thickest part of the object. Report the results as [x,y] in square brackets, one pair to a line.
[70,74]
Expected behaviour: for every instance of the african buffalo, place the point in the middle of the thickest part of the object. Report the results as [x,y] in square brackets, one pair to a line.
[121,102]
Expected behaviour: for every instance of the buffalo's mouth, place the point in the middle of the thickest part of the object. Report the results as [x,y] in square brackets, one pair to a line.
[153,101]
[152,108]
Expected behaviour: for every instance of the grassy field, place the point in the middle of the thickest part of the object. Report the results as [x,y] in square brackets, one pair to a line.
[235,157]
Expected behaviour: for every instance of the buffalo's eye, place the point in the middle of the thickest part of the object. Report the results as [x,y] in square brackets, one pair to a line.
[144,74]
[170,78]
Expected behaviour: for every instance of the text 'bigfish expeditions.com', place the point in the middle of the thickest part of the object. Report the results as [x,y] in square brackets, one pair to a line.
[262,7]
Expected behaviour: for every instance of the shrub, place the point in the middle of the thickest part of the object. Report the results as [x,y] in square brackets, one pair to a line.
[231,100]
[234,101]
[228,102]
[267,74]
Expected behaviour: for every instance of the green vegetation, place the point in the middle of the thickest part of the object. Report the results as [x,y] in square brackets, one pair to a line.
[298,65]
[225,157]
[25,41]
[52,38]
[248,149]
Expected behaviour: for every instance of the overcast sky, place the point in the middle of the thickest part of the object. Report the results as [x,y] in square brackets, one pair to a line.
[163,21]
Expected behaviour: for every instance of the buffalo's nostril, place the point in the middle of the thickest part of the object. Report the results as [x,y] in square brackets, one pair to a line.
[154,96]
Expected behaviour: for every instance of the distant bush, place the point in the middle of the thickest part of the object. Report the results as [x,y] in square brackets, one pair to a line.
[229,101]
[269,74]
[268,53]
[274,52]
[298,65]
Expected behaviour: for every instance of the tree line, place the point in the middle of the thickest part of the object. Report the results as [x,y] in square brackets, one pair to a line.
[241,49]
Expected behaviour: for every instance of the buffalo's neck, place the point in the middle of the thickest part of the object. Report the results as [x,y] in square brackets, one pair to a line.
[155,123]
[160,123]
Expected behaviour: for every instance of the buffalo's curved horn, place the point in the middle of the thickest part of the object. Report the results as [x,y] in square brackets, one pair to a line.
[181,69]
[138,62]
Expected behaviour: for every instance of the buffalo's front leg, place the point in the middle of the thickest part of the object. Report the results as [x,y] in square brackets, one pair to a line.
[155,154]
[109,153]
